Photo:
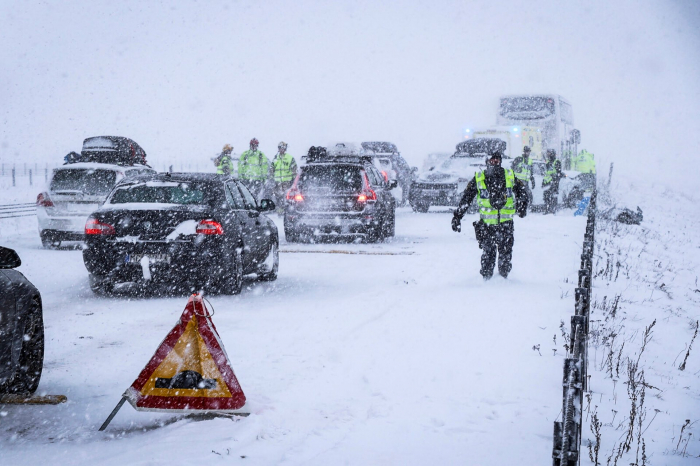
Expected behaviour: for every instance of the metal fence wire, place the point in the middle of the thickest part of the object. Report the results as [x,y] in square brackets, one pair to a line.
[567,432]
[17,210]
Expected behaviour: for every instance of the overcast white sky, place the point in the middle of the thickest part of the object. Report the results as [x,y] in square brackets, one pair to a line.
[183,78]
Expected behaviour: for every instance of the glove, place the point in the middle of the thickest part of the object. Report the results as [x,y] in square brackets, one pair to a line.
[522,213]
[456,224]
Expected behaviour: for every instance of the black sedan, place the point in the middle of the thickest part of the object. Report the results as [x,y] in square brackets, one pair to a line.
[191,230]
[21,329]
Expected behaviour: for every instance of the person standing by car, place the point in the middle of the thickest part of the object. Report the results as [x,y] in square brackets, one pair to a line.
[283,170]
[224,164]
[522,168]
[253,167]
[552,176]
[499,196]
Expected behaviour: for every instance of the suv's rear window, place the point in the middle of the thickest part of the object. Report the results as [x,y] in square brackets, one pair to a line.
[161,193]
[87,181]
[334,178]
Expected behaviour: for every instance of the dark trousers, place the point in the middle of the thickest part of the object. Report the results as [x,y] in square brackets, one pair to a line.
[497,240]
[551,199]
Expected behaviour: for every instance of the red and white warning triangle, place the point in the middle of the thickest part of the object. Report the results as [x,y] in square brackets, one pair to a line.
[190,370]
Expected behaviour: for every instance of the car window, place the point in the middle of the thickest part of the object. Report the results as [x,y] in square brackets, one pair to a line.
[249,199]
[87,181]
[335,178]
[234,196]
[372,175]
[153,192]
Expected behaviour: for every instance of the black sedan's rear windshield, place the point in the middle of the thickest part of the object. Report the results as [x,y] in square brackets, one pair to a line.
[156,192]
[87,181]
[338,178]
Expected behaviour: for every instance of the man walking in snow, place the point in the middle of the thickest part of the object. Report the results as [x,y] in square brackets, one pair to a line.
[252,168]
[522,168]
[283,170]
[552,175]
[499,196]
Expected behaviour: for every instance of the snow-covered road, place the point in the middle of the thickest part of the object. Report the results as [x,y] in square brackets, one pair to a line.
[346,359]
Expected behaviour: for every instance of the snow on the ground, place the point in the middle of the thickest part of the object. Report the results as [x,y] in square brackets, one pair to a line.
[645,277]
[346,359]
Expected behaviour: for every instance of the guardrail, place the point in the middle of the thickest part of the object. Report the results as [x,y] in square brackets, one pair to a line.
[17,210]
[567,432]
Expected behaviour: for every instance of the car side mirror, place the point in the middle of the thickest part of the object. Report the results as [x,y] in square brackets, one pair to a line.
[266,205]
[9,259]
[393,184]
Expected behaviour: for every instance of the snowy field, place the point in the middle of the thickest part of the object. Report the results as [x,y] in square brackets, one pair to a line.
[402,357]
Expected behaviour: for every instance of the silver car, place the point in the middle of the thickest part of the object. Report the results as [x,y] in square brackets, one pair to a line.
[75,191]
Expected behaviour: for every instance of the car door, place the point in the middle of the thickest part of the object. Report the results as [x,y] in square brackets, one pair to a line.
[8,319]
[381,187]
[256,241]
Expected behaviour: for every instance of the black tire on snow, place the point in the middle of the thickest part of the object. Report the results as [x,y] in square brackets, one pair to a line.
[291,236]
[272,274]
[100,286]
[420,207]
[31,359]
[389,227]
[47,241]
[232,281]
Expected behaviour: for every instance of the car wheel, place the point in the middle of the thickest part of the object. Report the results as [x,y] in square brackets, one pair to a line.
[420,207]
[100,286]
[275,253]
[291,236]
[31,358]
[390,226]
[48,241]
[233,281]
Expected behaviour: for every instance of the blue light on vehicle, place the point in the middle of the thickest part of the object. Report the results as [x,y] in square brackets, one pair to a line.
[515,129]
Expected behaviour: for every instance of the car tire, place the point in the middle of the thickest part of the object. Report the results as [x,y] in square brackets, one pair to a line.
[272,274]
[100,286]
[31,358]
[48,241]
[389,229]
[420,207]
[232,282]
[291,236]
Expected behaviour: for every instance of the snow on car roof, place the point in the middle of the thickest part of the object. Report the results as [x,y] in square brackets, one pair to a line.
[99,166]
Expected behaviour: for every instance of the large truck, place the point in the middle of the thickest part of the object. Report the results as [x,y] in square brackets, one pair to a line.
[515,137]
[551,114]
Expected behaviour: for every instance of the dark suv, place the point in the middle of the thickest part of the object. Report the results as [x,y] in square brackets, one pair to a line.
[191,229]
[339,193]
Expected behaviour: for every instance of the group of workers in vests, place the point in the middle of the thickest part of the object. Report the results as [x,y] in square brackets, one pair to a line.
[502,193]
[262,177]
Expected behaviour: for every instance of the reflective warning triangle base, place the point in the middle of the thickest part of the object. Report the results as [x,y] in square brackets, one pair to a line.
[190,371]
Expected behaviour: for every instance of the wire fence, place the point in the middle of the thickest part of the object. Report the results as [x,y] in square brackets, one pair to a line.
[567,432]
[17,210]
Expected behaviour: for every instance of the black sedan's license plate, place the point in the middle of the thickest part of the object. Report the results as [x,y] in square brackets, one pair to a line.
[136,258]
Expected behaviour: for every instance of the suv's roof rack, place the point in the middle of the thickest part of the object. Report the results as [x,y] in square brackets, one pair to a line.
[319,154]
[380,147]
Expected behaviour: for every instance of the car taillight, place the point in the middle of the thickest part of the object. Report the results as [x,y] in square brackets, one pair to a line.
[209,227]
[95,227]
[294,194]
[43,200]
[367,193]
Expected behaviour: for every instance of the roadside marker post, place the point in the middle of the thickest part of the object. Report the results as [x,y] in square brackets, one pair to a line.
[190,371]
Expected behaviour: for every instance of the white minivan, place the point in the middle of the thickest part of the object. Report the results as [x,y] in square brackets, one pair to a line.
[74,191]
